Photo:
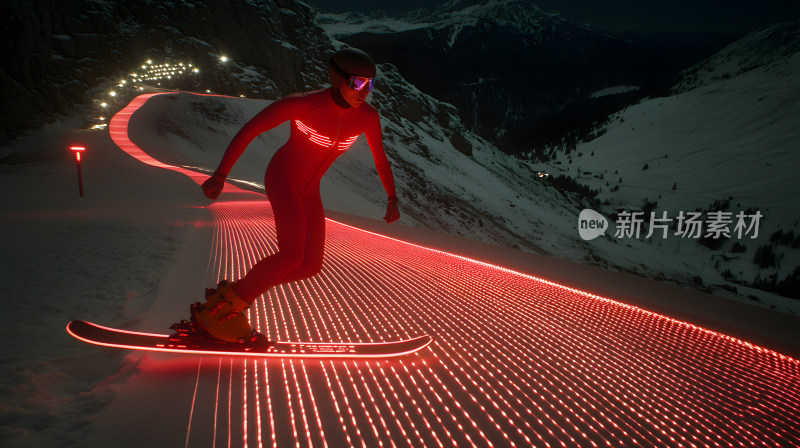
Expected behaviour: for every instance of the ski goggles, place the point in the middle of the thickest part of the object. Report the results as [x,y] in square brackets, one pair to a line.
[355,82]
[361,83]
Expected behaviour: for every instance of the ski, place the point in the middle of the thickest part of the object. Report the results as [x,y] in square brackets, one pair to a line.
[181,342]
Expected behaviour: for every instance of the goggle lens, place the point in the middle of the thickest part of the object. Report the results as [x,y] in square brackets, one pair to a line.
[361,83]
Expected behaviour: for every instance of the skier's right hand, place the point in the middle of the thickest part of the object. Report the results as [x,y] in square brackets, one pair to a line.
[212,187]
[392,211]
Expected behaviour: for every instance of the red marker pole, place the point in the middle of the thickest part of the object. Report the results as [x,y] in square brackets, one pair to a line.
[78,150]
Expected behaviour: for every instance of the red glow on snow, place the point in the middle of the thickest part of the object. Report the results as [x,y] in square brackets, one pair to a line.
[518,360]
[118,130]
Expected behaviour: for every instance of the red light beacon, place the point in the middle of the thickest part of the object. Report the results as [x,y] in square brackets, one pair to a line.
[78,150]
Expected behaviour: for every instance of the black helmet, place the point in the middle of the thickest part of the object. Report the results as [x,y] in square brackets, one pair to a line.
[349,61]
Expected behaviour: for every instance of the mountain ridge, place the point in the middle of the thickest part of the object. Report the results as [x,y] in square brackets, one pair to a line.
[520,76]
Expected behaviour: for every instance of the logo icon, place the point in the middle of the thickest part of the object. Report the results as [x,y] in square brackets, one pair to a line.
[591,224]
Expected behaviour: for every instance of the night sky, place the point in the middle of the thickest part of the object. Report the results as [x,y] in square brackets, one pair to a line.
[723,16]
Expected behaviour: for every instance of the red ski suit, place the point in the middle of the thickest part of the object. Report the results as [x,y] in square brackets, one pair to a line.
[323,126]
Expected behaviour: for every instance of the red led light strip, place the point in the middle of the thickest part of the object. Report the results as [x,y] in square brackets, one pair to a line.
[344,144]
[323,140]
[518,360]
[118,131]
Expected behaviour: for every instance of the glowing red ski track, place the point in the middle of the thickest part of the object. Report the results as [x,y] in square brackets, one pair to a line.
[517,360]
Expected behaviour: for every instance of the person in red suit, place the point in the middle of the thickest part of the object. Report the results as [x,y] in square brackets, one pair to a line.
[324,123]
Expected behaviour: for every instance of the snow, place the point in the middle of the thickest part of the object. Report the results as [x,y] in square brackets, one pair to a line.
[734,138]
[521,17]
[99,257]
[615,90]
[346,24]
[758,49]
[133,251]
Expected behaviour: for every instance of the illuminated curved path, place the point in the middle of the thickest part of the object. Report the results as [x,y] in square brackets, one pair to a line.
[517,360]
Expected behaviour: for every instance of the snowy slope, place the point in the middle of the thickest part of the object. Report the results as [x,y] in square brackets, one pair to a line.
[758,49]
[131,253]
[728,140]
[101,257]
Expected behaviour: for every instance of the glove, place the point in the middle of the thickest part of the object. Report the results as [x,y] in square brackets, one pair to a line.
[212,187]
[392,211]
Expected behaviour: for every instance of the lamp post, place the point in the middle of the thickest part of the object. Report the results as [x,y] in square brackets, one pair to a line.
[78,150]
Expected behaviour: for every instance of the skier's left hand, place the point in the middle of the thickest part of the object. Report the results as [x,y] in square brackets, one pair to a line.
[213,186]
[392,211]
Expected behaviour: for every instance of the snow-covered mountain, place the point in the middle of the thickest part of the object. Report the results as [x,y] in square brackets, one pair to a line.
[531,23]
[520,16]
[763,47]
[725,141]
[520,76]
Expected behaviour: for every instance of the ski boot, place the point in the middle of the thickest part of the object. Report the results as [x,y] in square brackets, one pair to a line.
[222,316]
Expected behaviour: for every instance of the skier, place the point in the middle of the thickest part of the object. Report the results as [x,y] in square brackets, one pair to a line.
[324,123]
